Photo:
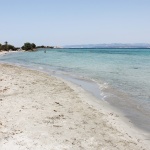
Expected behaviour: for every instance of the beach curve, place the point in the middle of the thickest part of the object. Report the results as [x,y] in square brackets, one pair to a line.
[39,111]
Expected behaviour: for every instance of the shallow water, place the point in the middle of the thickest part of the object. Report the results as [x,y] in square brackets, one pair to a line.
[122,74]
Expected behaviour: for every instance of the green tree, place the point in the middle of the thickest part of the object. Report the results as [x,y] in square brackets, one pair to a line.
[3,47]
[11,47]
[33,46]
[23,48]
[6,45]
[28,46]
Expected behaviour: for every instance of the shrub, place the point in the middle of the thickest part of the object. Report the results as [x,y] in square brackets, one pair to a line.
[28,46]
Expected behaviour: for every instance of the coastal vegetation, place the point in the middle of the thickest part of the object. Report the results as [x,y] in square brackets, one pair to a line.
[28,46]
[7,47]
[45,46]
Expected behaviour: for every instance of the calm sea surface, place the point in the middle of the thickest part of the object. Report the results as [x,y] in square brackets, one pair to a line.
[125,71]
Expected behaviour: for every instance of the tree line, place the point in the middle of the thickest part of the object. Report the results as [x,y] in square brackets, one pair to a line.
[27,47]
[6,47]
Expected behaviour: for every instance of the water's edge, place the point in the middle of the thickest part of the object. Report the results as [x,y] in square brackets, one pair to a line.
[125,106]
[123,102]
[128,108]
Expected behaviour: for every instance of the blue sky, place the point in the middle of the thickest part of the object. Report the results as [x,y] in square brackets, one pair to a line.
[65,22]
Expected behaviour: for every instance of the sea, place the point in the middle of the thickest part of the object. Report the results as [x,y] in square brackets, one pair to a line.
[119,76]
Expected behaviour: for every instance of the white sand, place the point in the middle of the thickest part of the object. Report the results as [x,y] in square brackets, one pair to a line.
[3,52]
[41,112]
[6,52]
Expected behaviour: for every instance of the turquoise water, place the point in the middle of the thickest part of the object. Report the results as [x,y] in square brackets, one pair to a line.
[125,70]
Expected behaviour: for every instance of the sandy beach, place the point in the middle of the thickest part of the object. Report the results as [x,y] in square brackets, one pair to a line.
[3,53]
[42,112]
[7,52]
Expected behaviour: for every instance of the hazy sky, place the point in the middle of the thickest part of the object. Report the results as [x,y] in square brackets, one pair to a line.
[65,22]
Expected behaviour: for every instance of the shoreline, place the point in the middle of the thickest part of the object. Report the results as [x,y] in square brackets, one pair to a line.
[8,52]
[124,104]
[3,52]
[127,107]
[103,115]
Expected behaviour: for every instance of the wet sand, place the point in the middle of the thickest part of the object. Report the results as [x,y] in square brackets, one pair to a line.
[39,111]
[121,102]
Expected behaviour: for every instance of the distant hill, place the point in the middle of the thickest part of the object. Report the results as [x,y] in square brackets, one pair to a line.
[113,45]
